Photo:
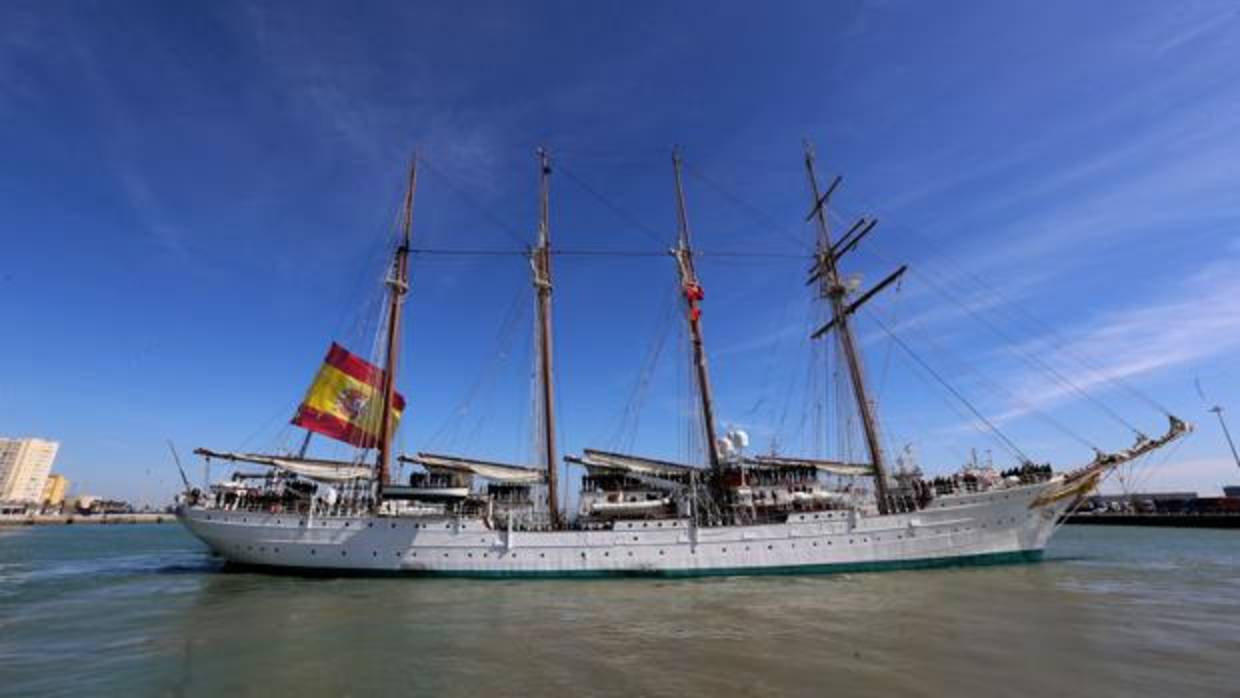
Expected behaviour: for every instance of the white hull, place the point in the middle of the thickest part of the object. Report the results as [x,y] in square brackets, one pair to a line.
[997,525]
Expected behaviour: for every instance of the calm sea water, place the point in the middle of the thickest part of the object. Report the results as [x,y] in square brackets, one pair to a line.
[144,610]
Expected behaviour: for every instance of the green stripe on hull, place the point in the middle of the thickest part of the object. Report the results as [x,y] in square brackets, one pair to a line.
[1008,558]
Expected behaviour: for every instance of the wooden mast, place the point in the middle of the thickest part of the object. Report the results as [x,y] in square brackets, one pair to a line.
[540,258]
[398,282]
[832,288]
[692,291]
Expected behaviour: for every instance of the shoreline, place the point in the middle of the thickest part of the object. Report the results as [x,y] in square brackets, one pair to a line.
[96,519]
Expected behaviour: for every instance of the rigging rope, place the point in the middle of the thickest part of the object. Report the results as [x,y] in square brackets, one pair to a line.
[998,387]
[477,252]
[624,436]
[994,429]
[758,215]
[469,199]
[645,229]
[1012,346]
[450,429]
[1007,301]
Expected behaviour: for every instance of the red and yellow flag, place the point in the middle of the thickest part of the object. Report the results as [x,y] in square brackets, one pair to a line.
[345,401]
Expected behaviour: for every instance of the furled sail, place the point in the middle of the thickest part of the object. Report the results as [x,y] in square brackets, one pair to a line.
[497,472]
[636,465]
[826,466]
[345,401]
[315,469]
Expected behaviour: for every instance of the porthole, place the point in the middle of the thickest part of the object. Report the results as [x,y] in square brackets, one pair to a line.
[344,553]
[370,524]
[275,550]
[542,554]
[725,550]
[445,554]
[660,552]
[770,547]
[346,524]
[314,552]
[393,525]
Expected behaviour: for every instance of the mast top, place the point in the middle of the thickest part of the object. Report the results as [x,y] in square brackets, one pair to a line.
[682,214]
[544,196]
[407,213]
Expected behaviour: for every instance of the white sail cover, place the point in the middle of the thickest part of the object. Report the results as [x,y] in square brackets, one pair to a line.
[315,469]
[826,466]
[637,465]
[496,472]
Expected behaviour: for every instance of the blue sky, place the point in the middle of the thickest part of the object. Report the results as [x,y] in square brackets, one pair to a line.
[197,200]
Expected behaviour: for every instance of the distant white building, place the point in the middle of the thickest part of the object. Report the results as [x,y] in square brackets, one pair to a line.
[24,466]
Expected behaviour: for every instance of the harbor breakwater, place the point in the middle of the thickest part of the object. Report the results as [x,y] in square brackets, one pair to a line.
[67,519]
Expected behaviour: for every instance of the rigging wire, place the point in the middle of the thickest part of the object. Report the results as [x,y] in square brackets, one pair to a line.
[624,436]
[1063,345]
[648,231]
[1037,363]
[1013,348]
[473,202]
[998,387]
[450,429]
[478,252]
[756,213]
[1008,443]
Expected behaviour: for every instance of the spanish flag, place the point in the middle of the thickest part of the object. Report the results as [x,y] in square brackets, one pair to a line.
[345,401]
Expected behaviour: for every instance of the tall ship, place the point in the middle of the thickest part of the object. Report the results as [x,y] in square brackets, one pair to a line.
[730,513]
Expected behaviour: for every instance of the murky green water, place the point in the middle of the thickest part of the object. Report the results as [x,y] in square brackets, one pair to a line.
[143,610]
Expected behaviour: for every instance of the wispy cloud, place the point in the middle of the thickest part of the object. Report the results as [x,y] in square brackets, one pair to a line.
[1199,320]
